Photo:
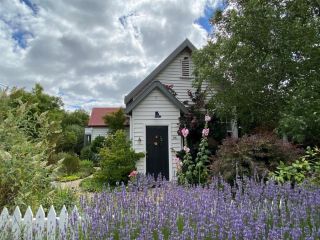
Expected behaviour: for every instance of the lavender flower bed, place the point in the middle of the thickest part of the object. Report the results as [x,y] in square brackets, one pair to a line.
[252,210]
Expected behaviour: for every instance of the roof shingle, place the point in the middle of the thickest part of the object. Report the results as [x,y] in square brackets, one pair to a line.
[97,114]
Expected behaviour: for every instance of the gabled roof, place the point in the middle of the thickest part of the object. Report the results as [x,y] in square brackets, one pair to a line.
[185,44]
[149,89]
[97,114]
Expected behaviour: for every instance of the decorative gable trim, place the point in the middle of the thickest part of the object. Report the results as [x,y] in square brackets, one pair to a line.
[136,91]
[148,90]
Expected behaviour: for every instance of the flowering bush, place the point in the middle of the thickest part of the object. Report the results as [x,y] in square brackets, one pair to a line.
[195,120]
[249,210]
[195,172]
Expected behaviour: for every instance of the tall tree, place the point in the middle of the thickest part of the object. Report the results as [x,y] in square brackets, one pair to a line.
[262,59]
[115,120]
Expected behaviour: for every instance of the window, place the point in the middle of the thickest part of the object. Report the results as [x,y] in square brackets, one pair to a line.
[87,139]
[185,64]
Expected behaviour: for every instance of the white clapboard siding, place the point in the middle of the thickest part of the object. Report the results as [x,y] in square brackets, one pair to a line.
[143,115]
[172,74]
[51,227]
[99,131]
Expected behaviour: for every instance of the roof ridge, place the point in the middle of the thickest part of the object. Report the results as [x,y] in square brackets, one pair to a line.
[150,87]
[186,43]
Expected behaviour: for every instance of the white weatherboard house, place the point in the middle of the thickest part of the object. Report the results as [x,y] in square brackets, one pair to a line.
[154,112]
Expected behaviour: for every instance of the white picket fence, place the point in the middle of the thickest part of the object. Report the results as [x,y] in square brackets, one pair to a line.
[39,227]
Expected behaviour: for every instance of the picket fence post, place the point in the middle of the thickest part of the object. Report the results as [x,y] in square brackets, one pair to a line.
[39,224]
[63,223]
[53,227]
[4,223]
[16,224]
[27,221]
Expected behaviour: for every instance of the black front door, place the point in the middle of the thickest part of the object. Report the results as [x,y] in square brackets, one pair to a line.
[157,150]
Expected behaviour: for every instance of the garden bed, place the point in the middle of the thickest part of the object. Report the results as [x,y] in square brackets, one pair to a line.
[251,210]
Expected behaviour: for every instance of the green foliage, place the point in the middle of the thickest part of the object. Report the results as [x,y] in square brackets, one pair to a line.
[38,104]
[256,154]
[195,172]
[78,117]
[92,185]
[118,159]
[115,121]
[72,139]
[71,164]
[87,154]
[59,198]
[68,178]
[186,173]
[300,120]
[306,167]
[263,61]
[55,158]
[72,124]
[86,168]
[23,174]
[97,144]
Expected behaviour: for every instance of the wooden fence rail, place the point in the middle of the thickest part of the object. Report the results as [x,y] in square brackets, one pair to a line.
[39,227]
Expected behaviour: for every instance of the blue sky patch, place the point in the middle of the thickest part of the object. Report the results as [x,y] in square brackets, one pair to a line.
[32,6]
[21,36]
[209,12]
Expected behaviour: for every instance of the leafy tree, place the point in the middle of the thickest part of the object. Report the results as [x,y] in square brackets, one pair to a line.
[300,120]
[263,63]
[38,104]
[115,121]
[78,117]
[72,137]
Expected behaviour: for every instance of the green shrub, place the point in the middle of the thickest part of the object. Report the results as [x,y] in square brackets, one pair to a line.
[92,185]
[71,164]
[97,144]
[60,197]
[118,159]
[86,168]
[259,153]
[307,167]
[24,179]
[87,154]
[56,157]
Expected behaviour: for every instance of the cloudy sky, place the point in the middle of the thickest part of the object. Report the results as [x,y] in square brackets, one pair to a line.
[93,52]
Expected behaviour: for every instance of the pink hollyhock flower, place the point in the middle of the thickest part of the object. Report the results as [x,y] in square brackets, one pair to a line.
[133,174]
[205,132]
[186,149]
[207,118]
[185,132]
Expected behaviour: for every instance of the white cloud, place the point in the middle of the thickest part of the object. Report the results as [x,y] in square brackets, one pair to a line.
[92,53]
